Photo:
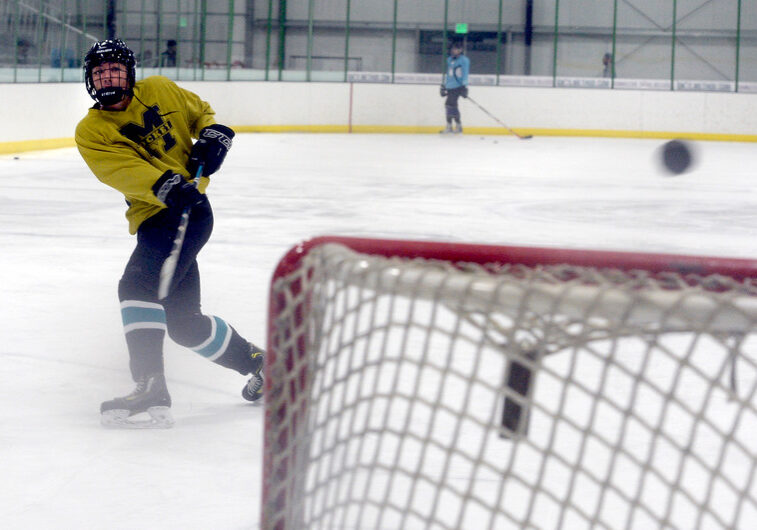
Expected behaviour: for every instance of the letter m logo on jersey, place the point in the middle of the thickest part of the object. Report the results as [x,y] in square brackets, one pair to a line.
[153,128]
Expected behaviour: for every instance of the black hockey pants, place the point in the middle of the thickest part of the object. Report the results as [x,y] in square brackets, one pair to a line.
[452,111]
[146,319]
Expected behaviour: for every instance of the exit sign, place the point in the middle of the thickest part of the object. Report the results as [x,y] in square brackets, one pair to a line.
[461,27]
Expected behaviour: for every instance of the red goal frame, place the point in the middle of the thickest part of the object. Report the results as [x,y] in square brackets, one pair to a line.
[739,269]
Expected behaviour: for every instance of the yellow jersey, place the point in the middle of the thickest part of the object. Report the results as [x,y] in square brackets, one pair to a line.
[130,149]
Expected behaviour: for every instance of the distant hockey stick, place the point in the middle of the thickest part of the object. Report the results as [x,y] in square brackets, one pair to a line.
[169,265]
[526,137]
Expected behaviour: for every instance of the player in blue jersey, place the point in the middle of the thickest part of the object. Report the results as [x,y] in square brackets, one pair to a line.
[455,84]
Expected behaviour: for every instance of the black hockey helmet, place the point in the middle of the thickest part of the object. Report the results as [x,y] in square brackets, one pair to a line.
[110,51]
[456,43]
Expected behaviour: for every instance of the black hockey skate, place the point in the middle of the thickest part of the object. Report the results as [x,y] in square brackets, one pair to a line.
[253,390]
[150,396]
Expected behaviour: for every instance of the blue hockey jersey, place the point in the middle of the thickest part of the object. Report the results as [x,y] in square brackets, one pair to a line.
[457,72]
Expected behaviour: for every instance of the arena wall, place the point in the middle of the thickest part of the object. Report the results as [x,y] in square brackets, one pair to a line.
[39,116]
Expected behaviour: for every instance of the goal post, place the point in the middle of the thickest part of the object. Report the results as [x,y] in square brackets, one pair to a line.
[417,384]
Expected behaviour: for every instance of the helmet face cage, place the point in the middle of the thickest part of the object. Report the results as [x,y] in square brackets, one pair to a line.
[109,51]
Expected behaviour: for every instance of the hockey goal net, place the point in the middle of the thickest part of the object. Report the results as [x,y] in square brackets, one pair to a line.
[445,386]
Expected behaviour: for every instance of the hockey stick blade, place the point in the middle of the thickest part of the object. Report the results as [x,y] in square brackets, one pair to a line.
[168,269]
[519,136]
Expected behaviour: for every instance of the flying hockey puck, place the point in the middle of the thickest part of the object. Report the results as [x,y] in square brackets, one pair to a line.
[676,156]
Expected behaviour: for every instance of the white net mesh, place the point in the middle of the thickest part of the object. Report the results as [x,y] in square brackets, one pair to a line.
[424,394]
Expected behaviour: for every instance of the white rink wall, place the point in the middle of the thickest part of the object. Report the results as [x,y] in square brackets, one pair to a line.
[51,111]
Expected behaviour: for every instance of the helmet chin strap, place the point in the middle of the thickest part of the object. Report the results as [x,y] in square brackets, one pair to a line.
[111,95]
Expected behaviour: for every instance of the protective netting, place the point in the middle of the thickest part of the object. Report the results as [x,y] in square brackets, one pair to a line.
[424,394]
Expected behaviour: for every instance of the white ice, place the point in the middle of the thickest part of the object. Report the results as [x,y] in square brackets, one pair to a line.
[64,244]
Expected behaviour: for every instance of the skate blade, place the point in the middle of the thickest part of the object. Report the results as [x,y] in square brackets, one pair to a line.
[159,418]
[254,401]
[257,402]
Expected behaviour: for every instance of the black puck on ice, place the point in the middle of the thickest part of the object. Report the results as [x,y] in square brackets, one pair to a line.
[676,155]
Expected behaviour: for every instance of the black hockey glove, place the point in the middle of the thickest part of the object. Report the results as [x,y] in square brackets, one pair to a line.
[442,91]
[175,191]
[464,93]
[210,149]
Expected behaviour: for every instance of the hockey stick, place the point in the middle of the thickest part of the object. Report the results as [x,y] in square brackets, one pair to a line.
[168,268]
[526,137]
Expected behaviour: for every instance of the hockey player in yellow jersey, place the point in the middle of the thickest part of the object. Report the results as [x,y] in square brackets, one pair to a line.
[130,149]
[137,138]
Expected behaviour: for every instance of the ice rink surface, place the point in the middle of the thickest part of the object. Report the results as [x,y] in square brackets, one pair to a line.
[65,242]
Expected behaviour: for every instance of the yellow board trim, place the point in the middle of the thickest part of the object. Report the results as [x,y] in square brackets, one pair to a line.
[58,143]
[493,131]
[35,145]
